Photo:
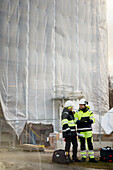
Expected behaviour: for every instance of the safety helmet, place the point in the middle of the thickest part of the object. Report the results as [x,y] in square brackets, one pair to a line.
[69,103]
[83,101]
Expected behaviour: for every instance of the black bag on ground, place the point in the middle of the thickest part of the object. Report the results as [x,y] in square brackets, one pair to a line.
[106,154]
[59,156]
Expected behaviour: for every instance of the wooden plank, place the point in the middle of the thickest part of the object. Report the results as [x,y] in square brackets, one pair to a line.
[31,146]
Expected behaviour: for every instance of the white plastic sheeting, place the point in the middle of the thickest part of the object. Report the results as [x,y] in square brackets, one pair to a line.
[107,122]
[44,43]
[97,127]
[103,124]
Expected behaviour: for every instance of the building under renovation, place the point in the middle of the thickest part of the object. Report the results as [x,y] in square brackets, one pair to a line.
[51,51]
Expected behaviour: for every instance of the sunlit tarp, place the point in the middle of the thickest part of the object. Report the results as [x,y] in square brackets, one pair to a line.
[44,43]
[107,122]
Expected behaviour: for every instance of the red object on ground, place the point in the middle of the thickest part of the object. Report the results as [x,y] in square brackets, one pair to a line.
[110,160]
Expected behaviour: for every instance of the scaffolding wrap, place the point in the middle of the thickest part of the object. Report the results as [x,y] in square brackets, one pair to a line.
[47,43]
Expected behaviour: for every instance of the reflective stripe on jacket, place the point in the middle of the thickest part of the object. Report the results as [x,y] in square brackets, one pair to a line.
[68,124]
[84,118]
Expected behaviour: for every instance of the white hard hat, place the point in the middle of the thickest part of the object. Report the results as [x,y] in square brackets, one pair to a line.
[68,103]
[83,101]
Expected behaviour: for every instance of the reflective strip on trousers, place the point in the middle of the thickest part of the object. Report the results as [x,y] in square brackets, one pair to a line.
[83,154]
[91,153]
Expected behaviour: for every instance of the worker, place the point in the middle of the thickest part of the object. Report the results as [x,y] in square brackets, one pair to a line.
[69,131]
[84,118]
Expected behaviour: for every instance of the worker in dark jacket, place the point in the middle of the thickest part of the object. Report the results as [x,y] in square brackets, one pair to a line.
[69,131]
[84,118]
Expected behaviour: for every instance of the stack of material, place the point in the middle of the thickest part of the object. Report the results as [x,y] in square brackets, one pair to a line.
[53,137]
[31,148]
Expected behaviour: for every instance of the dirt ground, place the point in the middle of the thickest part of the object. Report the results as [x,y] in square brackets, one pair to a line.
[21,160]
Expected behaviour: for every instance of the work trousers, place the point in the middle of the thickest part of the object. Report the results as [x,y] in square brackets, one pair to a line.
[72,140]
[89,145]
[89,142]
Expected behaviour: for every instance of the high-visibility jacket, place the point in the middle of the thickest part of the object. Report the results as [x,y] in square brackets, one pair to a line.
[68,124]
[82,119]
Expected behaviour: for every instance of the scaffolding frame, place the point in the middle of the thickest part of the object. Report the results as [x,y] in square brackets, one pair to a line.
[66,92]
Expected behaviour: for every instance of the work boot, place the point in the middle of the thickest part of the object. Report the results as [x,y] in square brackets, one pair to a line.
[93,160]
[76,159]
[83,160]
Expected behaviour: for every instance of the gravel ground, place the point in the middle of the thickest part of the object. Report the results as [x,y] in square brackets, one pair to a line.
[19,160]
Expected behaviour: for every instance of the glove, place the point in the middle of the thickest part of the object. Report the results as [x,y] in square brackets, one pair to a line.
[78,122]
[91,121]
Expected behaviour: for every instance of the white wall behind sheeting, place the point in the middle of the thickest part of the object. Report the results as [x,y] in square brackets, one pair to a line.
[44,43]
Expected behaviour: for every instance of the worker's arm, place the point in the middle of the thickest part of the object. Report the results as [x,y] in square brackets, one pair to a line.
[65,127]
[76,117]
[92,119]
